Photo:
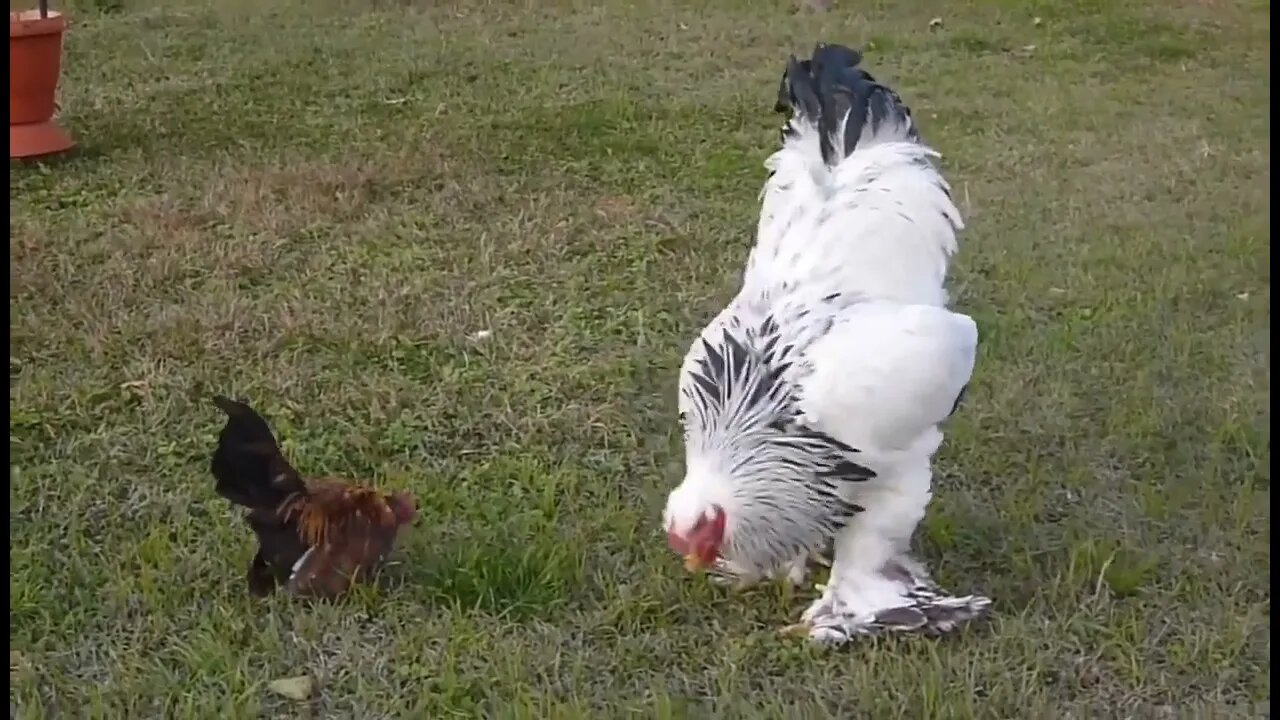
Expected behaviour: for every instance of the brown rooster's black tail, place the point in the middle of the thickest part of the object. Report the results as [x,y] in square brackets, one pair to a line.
[248,465]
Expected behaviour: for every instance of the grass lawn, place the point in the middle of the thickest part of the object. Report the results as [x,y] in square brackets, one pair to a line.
[316,207]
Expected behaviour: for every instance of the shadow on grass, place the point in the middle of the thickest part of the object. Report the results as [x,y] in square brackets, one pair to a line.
[516,578]
[491,541]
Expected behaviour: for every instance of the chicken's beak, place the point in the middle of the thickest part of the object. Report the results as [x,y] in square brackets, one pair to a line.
[693,563]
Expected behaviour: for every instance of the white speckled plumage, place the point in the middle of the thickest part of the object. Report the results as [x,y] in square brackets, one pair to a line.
[812,403]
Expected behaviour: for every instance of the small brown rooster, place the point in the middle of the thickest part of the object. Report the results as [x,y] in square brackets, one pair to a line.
[316,537]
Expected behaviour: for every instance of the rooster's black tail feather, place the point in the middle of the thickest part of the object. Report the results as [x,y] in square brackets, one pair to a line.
[247,464]
[843,101]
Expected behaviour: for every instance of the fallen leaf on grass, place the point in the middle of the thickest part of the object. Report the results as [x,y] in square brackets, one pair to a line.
[294,688]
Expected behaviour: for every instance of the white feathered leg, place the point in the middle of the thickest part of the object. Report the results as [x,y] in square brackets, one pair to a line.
[874,585]
[857,590]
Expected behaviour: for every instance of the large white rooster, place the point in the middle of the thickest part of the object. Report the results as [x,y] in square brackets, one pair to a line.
[811,405]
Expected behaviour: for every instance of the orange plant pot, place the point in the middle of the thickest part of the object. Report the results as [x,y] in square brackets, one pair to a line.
[35,63]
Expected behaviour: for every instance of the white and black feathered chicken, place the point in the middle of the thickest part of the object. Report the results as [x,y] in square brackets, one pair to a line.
[811,405]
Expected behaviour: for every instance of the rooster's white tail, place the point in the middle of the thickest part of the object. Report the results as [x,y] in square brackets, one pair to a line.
[853,202]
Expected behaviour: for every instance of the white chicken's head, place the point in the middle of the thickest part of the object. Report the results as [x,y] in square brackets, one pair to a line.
[696,525]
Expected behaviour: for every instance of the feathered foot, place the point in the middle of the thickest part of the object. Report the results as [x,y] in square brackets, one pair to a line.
[901,598]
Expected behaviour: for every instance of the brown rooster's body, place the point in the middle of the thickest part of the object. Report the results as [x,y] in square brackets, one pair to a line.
[315,537]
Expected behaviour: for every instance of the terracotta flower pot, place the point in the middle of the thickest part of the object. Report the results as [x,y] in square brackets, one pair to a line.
[35,62]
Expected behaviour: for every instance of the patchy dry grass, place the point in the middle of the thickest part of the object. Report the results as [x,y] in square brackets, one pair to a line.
[316,206]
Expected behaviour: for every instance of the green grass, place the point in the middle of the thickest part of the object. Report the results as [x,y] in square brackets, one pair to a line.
[315,206]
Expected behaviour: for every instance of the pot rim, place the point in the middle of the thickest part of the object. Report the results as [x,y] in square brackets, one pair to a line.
[24,23]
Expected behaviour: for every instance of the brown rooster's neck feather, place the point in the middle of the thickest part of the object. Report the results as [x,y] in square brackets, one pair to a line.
[329,504]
